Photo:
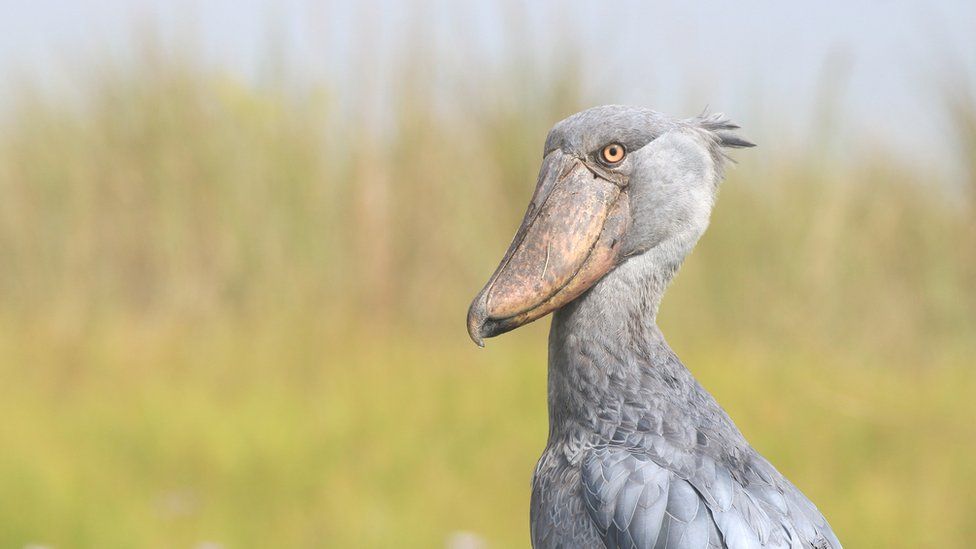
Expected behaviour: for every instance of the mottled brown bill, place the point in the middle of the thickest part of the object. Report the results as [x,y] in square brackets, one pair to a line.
[570,237]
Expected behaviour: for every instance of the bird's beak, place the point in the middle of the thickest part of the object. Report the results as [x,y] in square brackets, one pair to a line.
[569,239]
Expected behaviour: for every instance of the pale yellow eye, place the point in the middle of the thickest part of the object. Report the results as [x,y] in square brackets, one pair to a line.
[613,153]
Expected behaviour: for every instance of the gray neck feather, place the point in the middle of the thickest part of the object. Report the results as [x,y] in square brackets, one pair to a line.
[608,360]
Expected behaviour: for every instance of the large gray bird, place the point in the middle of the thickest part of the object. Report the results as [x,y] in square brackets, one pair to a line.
[639,454]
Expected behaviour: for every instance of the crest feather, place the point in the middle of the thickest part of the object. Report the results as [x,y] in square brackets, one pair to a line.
[720,132]
[723,129]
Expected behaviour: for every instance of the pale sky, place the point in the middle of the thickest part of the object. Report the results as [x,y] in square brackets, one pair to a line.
[759,58]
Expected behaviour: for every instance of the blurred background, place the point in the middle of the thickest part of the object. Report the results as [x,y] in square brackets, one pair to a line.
[238,241]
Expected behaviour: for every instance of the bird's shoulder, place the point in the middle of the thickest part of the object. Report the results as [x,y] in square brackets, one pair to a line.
[693,482]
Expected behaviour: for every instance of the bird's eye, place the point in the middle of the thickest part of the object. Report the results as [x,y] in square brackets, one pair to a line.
[613,153]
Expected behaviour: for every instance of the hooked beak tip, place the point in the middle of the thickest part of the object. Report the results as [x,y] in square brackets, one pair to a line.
[477,314]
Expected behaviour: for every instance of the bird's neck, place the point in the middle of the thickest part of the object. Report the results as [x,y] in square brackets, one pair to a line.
[606,353]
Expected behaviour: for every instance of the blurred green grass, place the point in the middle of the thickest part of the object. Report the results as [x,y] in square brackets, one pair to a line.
[233,313]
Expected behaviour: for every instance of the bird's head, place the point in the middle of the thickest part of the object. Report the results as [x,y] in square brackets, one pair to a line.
[616,182]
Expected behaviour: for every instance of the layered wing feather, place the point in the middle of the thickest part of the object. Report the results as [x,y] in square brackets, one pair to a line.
[656,495]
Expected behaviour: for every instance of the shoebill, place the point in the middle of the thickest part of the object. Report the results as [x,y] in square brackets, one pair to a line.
[639,453]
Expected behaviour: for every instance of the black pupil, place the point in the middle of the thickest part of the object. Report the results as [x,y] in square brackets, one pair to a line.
[612,152]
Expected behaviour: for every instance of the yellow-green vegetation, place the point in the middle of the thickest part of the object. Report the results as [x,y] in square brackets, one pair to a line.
[234,313]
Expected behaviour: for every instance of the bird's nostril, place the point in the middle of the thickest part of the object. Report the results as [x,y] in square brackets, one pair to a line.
[567,170]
